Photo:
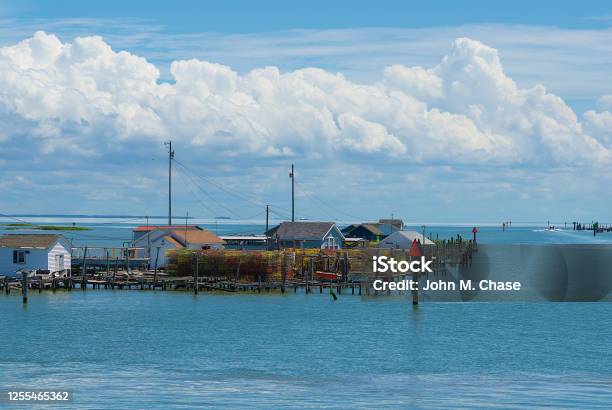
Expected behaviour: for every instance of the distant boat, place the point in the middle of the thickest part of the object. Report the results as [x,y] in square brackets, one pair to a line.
[551,228]
[222,217]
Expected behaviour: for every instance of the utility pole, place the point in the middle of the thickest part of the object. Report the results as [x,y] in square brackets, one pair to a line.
[292,176]
[266,232]
[186,242]
[170,157]
[148,242]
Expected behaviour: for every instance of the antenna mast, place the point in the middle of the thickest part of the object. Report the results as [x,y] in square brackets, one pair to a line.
[292,176]
[170,157]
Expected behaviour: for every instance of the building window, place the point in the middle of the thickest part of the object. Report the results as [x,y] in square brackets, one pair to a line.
[19,257]
[330,243]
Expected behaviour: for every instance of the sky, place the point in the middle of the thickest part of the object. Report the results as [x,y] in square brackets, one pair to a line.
[440,111]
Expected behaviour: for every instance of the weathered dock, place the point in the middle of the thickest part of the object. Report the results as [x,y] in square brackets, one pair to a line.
[108,258]
[149,281]
[336,271]
[596,227]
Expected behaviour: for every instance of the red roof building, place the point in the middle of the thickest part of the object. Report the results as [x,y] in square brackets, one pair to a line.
[140,231]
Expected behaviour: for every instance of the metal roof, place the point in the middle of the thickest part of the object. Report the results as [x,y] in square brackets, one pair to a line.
[288,231]
[404,238]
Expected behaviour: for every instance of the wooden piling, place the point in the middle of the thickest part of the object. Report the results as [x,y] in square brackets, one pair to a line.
[284,273]
[84,270]
[7,289]
[415,291]
[24,286]
[127,262]
[345,267]
[196,278]
[115,272]
[155,271]
[310,273]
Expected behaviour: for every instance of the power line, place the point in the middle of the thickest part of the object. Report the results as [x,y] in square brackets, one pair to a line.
[333,208]
[201,202]
[206,194]
[241,196]
[199,187]
[221,187]
[256,215]
[282,216]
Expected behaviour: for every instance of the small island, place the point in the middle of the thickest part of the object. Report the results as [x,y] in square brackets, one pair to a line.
[29,226]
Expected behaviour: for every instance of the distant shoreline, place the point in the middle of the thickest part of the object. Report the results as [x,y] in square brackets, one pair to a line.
[86,216]
[29,227]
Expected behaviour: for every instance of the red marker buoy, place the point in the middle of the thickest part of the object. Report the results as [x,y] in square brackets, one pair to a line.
[415,250]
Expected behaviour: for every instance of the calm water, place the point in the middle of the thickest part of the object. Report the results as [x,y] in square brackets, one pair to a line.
[133,349]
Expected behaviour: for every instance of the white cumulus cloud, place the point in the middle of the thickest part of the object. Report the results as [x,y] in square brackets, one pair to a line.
[83,97]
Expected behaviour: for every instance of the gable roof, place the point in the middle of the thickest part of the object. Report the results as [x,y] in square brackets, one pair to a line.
[29,241]
[194,236]
[405,238]
[375,228]
[289,231]
[173,241]
[201,236]
[349,228]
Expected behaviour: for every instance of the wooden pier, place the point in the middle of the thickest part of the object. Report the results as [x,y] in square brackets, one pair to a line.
[151,281]
[335,271]
[596,227]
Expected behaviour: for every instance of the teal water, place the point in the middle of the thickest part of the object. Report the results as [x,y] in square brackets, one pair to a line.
[145,349]
[133,349]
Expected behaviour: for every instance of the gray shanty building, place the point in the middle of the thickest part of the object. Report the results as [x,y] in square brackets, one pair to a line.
[307,235]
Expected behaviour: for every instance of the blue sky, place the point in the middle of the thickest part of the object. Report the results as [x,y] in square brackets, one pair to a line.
[382,106]
[253,16]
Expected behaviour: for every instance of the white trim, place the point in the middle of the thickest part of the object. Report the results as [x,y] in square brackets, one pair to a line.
[332,227]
